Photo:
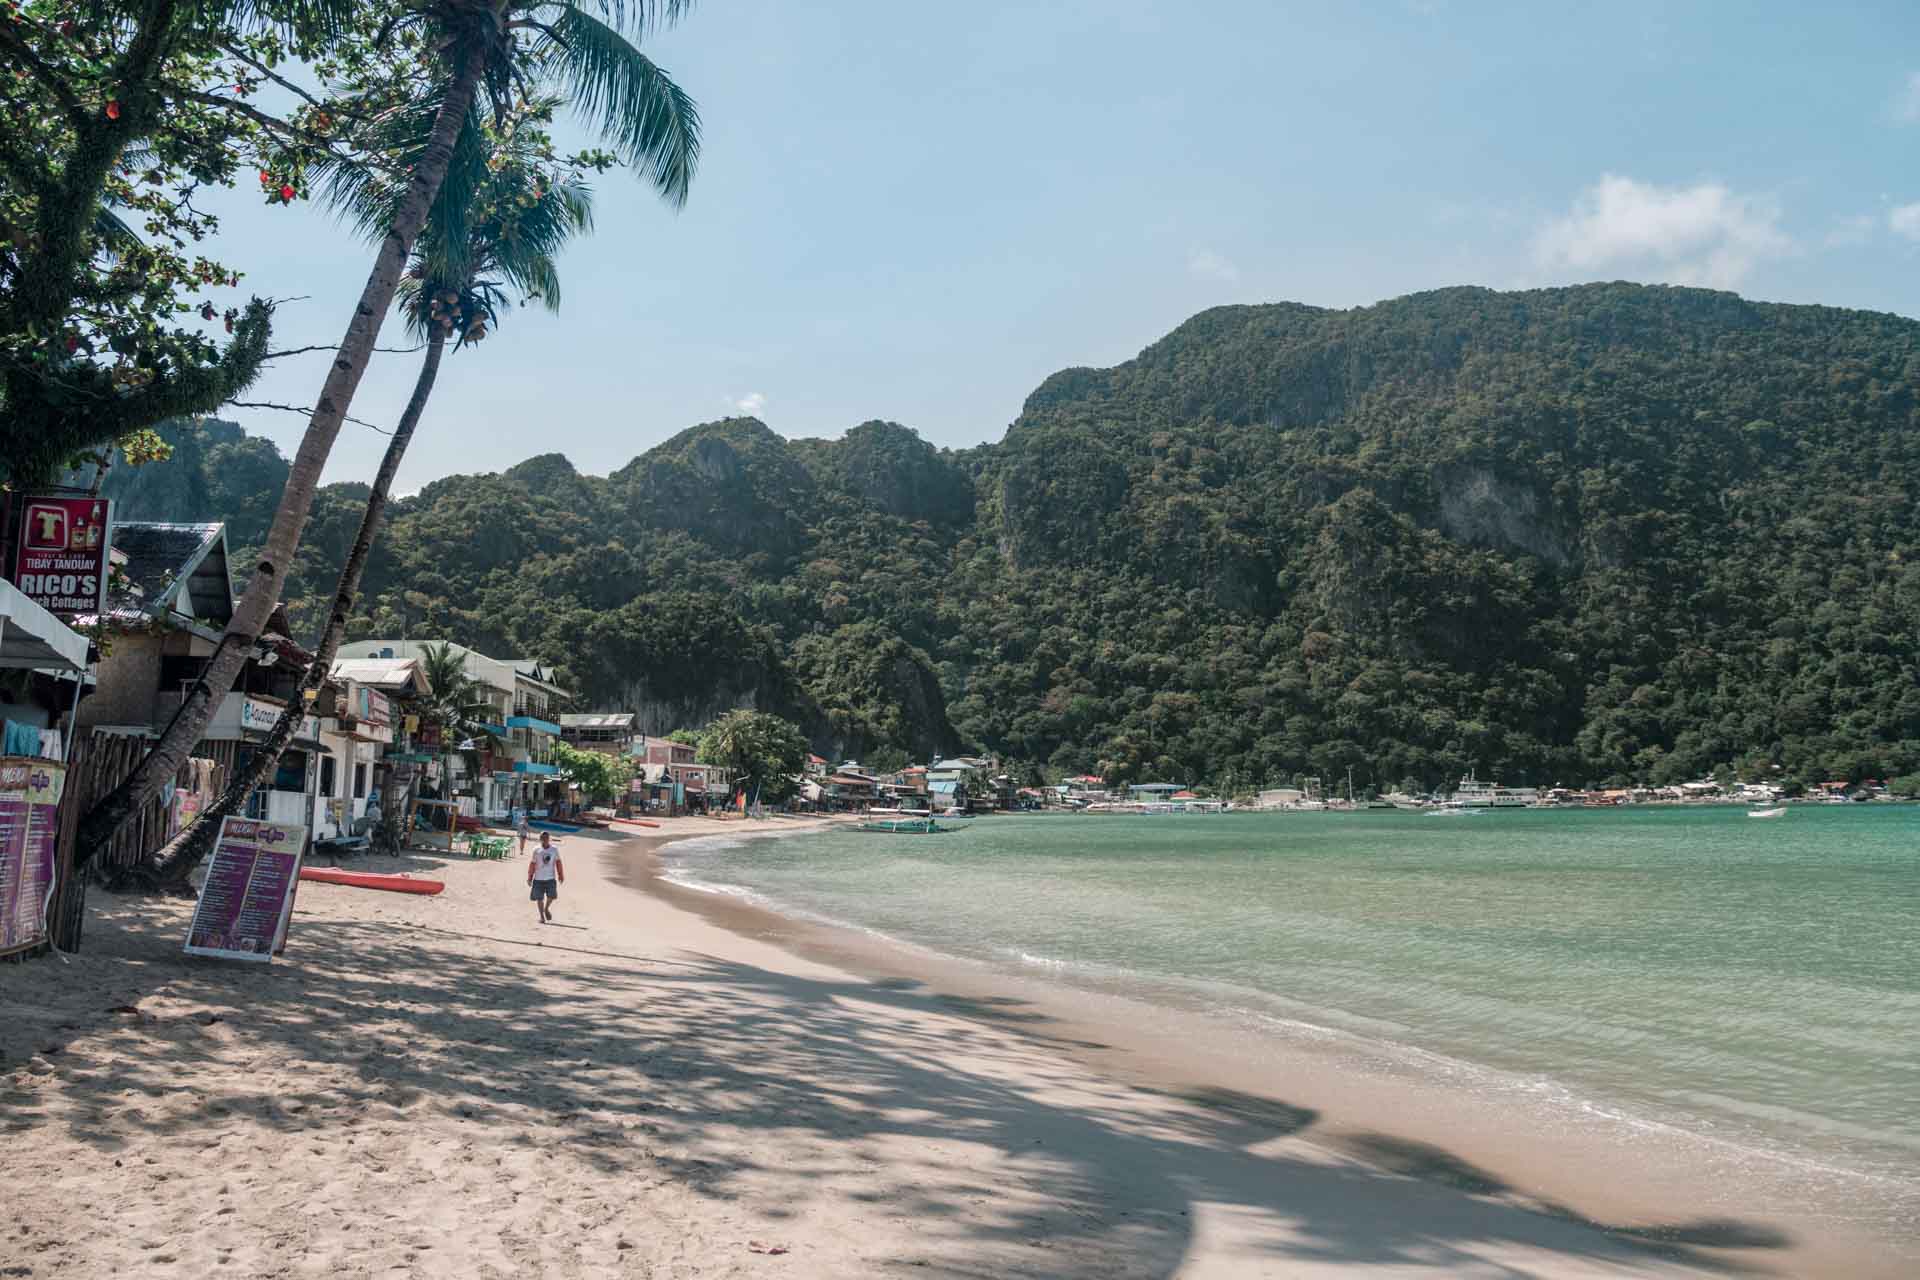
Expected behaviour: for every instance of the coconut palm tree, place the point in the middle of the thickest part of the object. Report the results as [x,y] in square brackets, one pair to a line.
[502,217]
[458,708]
[500,49]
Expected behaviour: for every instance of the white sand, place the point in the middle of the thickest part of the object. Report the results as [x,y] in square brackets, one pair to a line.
[444,1087]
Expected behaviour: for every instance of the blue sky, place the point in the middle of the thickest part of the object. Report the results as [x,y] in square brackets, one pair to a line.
[917,212]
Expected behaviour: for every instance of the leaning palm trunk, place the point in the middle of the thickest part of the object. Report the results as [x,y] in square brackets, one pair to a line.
[296,499]
[183,853]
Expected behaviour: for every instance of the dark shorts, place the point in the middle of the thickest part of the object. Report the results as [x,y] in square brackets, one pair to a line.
[543,889]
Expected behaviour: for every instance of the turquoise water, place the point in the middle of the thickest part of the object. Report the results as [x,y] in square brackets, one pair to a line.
[1757,981]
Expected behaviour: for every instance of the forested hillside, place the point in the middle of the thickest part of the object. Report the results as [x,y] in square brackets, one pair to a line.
[1563,535]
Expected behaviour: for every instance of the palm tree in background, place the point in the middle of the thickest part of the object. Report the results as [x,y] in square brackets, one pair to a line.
[503,217]
[500,51]
[459,709]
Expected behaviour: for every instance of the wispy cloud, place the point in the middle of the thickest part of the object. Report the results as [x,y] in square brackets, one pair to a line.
[1851,230]
[1904,220]
[1703,234]
[1209,265]
[751,403]
[1906,103]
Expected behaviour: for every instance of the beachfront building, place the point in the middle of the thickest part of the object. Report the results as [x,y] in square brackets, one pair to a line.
[1153,792]
[962,782]
[371,747]
[515,758]
[166,609]
[612,733]
[670,778]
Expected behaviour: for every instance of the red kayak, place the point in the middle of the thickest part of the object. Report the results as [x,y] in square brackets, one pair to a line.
[369,880]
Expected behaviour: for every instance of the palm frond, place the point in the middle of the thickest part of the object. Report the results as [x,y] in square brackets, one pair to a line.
[115,236]
[648,119]
[642,17]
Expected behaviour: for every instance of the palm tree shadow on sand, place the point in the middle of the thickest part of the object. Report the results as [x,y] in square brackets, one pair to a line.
[1085,1177]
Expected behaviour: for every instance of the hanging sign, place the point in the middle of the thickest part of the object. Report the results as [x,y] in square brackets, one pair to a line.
[247,899]
[29,835]
[61,564]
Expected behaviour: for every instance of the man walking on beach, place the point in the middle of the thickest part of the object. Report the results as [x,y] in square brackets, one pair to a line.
[544,874]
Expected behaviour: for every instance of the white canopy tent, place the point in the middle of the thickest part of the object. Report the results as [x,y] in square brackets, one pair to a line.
[33,639]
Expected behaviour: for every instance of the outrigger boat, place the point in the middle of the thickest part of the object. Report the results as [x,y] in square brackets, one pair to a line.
[907,826]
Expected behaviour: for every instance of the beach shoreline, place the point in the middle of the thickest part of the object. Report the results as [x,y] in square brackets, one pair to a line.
[1621,1169]
[441,1086]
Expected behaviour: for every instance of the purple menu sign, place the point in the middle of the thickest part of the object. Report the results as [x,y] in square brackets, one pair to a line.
[29,835]
[248,895]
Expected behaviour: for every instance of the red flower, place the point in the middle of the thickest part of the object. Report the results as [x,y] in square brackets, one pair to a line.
[113,111]
[286,193]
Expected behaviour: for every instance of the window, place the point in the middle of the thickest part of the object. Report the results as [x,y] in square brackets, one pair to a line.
[359,782]
[329,774]
[290,773]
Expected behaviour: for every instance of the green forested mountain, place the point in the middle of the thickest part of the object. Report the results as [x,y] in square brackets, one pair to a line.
[1562,535]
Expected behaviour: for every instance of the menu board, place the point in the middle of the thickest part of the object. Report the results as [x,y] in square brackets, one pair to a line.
[29,837]
[248,895]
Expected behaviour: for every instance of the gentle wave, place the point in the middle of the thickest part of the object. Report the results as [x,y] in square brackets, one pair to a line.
[1023,882]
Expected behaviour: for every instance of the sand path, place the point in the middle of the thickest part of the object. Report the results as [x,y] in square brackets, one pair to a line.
[443,1087]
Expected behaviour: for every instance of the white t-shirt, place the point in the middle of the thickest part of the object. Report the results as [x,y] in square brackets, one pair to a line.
[543,862]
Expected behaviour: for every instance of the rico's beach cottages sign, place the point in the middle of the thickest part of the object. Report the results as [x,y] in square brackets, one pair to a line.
[247,900]
[61,563]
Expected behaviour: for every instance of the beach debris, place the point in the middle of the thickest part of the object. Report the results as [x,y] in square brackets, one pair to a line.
[761,1246]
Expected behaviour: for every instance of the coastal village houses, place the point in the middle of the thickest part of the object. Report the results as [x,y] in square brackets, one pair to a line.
[168,602]
[170,598]
[512,765]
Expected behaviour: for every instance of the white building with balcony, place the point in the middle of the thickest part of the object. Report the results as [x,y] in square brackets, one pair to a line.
[524,723]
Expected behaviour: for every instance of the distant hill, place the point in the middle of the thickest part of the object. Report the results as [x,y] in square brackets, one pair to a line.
[1561,535]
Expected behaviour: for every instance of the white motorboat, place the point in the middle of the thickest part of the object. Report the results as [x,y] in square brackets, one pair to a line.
[1777,811]
[1491,795]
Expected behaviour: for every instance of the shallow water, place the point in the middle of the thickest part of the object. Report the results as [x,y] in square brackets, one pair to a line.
[1753,982]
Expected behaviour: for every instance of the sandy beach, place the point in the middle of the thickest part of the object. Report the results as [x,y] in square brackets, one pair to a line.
[444,1087]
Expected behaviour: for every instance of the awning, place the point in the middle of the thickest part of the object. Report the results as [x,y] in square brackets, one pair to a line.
[34,639]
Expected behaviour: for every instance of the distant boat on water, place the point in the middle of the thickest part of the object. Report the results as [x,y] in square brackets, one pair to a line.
[922,825]
[1491,795]
[1777,811]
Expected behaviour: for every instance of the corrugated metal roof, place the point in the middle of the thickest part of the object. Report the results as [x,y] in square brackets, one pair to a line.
[382,673]
[598,720]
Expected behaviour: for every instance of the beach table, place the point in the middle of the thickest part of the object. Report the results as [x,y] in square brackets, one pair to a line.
[452,812]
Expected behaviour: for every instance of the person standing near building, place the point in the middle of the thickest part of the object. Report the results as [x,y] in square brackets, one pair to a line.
[544,873]
[520,825]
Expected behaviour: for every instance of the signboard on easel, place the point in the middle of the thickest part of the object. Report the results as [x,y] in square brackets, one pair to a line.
[247,899]
[30,792]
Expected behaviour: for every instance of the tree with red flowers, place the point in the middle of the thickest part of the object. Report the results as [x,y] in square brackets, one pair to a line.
[120,115]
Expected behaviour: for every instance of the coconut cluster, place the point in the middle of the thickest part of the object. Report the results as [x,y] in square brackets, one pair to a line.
[448,314]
